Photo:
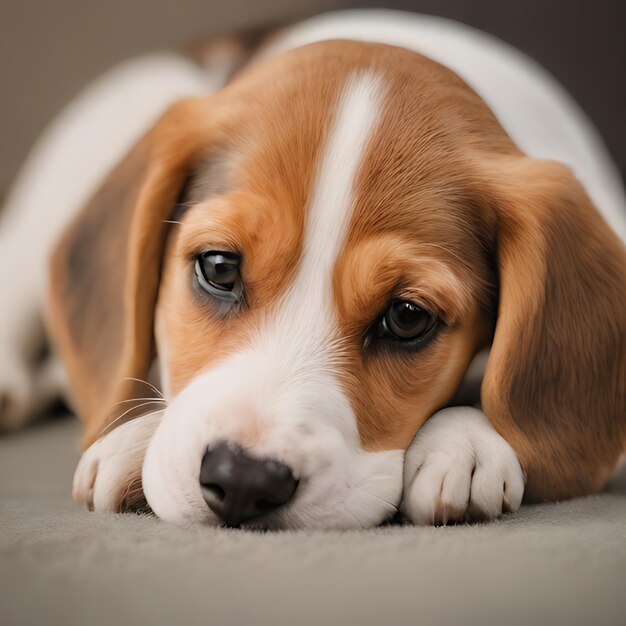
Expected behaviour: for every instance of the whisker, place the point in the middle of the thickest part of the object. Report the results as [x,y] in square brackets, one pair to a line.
[172,222]
[132,408]
[140,399]
[145,382]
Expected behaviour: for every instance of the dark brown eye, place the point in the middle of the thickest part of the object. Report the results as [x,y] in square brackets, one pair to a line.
[405,321]
[218,274]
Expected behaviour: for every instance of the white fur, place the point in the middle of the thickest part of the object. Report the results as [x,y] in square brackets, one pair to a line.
[108,466]
[458,467]
[280,396]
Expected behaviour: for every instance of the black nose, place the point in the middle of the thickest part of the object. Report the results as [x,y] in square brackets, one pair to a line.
[238,487]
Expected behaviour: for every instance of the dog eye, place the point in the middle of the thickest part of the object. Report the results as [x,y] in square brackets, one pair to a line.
[218,274]
[405,321]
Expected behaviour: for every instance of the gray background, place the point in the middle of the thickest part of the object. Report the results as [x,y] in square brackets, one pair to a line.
[49,49]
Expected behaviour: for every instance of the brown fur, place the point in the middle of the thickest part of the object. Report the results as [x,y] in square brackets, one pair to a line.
[418,225]
[555,382]
[447,212]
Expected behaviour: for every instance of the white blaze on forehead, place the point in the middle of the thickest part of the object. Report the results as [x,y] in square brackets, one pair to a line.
[330,206]
[304,317]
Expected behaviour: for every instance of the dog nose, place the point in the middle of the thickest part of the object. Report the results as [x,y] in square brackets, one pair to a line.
[238,487]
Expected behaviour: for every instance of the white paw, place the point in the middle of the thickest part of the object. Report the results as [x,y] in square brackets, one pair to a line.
[459,468]
[108,475]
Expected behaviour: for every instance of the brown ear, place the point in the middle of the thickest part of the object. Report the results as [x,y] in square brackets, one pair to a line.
[105,270]
[555,380]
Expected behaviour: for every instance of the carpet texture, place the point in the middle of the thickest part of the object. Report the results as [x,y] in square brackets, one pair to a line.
[552,564]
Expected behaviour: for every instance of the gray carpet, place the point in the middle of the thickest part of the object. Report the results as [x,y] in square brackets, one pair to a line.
[551,564]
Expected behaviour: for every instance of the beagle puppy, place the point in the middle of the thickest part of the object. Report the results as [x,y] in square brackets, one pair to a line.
[272,268]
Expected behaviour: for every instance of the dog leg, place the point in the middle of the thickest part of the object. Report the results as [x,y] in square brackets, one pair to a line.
[459,468]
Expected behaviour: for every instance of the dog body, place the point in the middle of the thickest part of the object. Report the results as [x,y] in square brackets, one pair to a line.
[344,186]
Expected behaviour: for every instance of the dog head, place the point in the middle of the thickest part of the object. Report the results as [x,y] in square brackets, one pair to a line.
[315,254]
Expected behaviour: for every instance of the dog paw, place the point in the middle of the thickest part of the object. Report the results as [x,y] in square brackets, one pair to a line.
[108,475]
[458,468]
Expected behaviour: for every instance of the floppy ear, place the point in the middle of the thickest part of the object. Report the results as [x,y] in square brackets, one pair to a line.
[555,380]
[105,269]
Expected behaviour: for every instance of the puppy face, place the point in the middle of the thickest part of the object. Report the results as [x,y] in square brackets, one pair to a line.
[355,299]
[355,222]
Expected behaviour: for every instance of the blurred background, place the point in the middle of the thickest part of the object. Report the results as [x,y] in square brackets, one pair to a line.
[49,50]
